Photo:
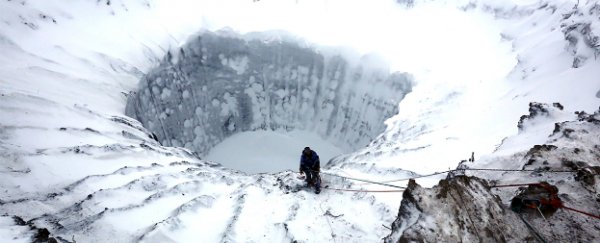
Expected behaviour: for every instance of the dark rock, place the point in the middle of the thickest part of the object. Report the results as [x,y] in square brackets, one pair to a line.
[535,110]
[538,150]
[19,221]
[87,129]
[593,118]
[558,105]
[464,209]
[587,175]
[557,127]
[580,36]
[153,136]
[43,236]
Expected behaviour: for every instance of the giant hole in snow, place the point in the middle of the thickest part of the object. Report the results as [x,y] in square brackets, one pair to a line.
[253,105]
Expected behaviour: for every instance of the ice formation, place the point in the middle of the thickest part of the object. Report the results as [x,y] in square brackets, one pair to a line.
[218,85]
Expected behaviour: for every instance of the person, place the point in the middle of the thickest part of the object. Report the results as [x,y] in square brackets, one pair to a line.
[311,166]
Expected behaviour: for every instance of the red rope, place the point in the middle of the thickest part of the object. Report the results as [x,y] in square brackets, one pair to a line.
[582,212]
[553,201]
[354,190]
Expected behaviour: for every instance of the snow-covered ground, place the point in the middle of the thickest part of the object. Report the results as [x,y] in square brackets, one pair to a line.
[72,162]
[447,117]
[269,151]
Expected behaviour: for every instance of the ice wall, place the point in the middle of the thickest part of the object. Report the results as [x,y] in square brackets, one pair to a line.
[218,85]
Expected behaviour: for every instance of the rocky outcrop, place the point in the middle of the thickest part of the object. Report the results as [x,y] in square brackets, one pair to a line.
[466,209]
[471,209]
[218,85]
[538,110]
[582,34]
[461,209]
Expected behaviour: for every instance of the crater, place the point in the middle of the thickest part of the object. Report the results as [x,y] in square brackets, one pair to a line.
[220,85]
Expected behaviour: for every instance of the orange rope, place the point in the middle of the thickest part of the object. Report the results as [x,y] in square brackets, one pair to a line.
[581,212]
[554,201]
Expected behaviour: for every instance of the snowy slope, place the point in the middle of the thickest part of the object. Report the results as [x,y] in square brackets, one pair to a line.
[551,41]
[443,120]
[74,164]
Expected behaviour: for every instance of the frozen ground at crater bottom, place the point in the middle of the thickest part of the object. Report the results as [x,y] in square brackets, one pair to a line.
[270,151]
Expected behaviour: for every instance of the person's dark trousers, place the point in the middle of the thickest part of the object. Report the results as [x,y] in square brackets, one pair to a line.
[312,179]
[309,175]
[317,179]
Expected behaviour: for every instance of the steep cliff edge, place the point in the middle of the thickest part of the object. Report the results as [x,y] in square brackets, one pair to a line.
[470,208]
[219,84]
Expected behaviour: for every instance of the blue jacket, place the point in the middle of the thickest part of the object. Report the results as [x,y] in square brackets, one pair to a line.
[311,162]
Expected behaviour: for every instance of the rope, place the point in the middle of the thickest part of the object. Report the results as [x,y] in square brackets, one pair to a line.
[557,205]
[330,228]
[582,212]
[479,169]
[516,185]
[532,229]
[357,190]
[384,183]
[417,177]
[514,170]
[363,180]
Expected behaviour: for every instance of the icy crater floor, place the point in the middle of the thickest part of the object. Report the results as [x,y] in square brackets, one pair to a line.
[269,151]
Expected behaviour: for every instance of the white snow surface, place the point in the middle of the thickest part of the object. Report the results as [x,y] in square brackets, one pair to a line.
[269,151]
[71,162]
